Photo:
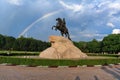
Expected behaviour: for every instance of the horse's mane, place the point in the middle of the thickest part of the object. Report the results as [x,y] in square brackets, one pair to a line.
[59,20]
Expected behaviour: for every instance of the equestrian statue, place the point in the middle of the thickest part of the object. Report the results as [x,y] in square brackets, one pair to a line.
[61,26]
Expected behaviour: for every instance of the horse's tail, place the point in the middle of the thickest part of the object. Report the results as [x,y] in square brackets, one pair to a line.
[69,36]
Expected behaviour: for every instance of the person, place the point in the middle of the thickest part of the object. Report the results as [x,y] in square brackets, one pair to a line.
[61,23]
[64,22]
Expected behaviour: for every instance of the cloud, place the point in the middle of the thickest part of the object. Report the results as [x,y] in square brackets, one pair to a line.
[88,35]
[73,7]
[39,19]
[116,31]
[109,24]
[73,36]
[15,2]
[114,8]
[114,5]
[92,35]
[81,15]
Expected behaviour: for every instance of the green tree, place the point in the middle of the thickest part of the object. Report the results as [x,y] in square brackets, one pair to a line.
[33,45]
[24,43]
[81,45]
[2,41]
[111,43]
[43,45]
[9,41]
[94,46]
[30,44]
[16,46]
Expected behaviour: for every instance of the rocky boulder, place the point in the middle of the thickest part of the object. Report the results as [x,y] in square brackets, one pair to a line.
[61,48]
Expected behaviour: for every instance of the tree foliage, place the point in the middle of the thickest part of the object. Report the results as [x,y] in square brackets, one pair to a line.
[2,41]
[109,44]
[22,44]
[94,46]
[9,41]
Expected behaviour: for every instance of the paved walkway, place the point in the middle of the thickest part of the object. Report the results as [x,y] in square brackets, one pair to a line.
[82,73]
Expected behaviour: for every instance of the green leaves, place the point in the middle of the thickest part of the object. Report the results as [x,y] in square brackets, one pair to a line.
[22,44]
[111,43]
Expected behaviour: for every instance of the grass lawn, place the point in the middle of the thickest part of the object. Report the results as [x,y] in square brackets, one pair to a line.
[57,62]
[32,59]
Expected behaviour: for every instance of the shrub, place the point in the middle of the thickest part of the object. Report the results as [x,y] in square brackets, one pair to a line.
[53,62]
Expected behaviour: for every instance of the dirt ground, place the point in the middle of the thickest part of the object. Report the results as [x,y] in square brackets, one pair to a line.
[81,73]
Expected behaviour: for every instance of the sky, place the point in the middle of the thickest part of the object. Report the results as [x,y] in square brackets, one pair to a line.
[85,19]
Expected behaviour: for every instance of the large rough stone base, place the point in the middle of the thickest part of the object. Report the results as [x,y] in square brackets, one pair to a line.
[61,48]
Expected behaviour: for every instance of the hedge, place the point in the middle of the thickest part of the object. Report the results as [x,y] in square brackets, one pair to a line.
[57,62]
[19,53]
[108,55]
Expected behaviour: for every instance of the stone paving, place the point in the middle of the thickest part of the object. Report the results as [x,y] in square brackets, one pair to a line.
[81,73]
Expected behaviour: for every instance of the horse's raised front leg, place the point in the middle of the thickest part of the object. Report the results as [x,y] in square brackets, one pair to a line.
[53,27]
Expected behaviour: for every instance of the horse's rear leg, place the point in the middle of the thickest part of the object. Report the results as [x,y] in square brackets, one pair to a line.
[68,36]
[62,34]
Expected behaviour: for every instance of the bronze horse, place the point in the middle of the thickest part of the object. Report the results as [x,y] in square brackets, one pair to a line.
[61,26]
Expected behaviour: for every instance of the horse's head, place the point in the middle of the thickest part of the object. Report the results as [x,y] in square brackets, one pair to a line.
[58,19]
